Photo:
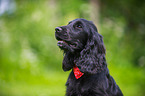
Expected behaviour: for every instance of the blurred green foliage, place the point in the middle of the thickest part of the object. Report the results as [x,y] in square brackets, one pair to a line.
[30,61]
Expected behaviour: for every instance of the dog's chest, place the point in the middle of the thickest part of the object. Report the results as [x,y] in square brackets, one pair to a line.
[78,86]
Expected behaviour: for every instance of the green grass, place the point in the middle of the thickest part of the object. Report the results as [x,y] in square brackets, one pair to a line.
[131,80]
[47,84]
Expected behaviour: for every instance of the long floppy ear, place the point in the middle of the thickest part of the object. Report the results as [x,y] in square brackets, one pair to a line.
[92,57]
[67,63]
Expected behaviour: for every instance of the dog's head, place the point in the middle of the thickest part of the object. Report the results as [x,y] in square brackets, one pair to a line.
[74,36]
[81,37]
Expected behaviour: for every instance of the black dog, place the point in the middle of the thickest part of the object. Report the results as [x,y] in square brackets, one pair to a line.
[85,55]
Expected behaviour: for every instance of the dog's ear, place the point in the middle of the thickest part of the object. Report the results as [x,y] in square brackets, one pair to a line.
[67,63]
[92,57]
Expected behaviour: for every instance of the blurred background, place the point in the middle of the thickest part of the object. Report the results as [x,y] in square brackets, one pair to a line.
[30,61]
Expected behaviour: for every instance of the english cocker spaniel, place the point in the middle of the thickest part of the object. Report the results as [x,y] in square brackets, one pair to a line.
[84,53]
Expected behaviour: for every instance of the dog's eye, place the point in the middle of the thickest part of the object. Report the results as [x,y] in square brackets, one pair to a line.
[78,26]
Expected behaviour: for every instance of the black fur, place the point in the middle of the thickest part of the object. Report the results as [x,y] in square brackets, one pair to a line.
[83,46]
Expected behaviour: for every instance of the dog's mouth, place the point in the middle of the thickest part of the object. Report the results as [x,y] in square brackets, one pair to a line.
[62,43]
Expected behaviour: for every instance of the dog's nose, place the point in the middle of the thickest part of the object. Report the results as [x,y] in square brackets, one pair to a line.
[58,29]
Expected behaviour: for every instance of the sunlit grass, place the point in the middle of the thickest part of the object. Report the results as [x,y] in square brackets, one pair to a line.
[129,79]
[48,84]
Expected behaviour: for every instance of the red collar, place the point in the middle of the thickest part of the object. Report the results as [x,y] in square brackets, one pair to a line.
[78,74]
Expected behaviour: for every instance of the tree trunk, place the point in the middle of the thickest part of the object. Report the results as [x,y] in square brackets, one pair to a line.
[95,11]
